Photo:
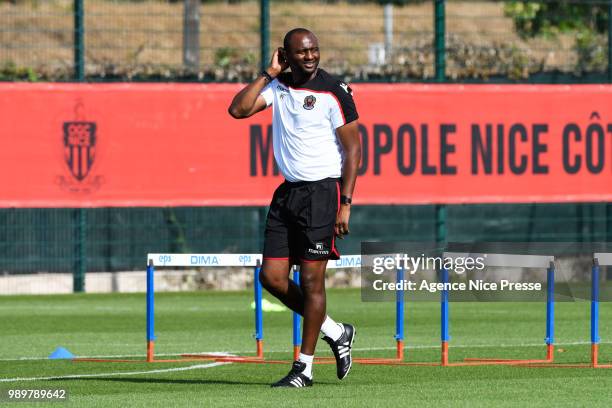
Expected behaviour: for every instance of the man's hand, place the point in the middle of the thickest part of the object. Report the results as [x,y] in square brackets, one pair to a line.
[277,64]
[342,221]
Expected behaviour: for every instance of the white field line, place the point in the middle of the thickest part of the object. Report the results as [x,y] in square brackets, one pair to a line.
[220,353]
[407,347]
[164,370]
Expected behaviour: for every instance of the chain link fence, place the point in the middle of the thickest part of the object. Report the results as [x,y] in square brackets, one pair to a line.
[118,239]
[193,40]
[199,40]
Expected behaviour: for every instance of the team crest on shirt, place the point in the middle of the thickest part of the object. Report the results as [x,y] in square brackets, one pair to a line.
[309,102]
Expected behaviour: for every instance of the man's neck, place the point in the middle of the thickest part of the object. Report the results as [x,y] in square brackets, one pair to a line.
[299,79]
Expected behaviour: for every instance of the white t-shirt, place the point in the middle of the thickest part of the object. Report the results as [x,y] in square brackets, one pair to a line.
[304,125]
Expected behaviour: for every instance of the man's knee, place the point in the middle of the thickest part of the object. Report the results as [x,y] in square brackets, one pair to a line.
[313,284]
[273,281]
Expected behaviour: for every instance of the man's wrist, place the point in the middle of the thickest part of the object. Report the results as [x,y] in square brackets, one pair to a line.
[267,77]
[346,200]
[271,72]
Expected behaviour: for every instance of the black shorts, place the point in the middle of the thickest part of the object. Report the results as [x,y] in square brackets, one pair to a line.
[301,219]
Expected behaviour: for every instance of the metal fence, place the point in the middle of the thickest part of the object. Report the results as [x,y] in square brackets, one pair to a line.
[199,40]
[117,239]
[193,40]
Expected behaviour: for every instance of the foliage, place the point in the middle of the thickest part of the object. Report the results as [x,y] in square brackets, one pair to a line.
[532,18]
[586,20]
[228,56]
[9,71]
[592,51]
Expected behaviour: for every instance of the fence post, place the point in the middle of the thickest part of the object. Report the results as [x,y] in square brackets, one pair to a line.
[80,217]
[264,32]
[79,42]
[440,69]
[439,40]
[388,17]
[191,33]
[80,251]
[608,204]
[440,223]
[610,41]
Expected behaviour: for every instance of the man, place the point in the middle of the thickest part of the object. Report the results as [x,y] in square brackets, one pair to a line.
[317,149]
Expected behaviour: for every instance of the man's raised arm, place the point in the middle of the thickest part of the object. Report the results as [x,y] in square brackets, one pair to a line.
[248,101]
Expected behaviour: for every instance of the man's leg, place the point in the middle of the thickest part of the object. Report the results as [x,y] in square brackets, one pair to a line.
[317,241]
[308,299]
[312,283]
[274,277]
[286,234]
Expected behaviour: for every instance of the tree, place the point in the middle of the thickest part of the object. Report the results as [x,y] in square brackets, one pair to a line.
[532,18]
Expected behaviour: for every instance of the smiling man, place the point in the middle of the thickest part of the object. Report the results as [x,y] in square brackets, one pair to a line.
[317,149]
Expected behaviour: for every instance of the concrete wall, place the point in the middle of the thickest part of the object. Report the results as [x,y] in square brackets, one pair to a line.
[165,281]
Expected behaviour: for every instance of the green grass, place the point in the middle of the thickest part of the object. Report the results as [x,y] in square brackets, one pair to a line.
[113,325]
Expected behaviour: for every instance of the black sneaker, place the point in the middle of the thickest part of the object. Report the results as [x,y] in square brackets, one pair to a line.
[342,349]
[295,378]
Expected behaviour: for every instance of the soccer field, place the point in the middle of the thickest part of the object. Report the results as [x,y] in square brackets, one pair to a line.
[114,325]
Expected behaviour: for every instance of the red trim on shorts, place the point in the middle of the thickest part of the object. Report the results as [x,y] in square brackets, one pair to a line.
[276,259]
[312,260]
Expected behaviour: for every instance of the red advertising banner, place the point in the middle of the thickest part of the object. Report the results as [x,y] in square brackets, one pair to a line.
[92,145]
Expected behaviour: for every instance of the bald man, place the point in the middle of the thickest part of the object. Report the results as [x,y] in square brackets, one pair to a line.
[317,149]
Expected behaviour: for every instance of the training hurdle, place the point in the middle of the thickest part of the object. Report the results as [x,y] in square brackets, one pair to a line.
[399,322]
[240,260]
[599,259]
[197,260]
[492,260]
[205,260]
[527,261]
[254,260]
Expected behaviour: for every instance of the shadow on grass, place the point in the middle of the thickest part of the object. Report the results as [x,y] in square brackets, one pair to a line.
[163,381]
[172,381]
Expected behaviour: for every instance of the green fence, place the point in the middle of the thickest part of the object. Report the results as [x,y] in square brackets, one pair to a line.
[118,239]
[203,40]
[192,40]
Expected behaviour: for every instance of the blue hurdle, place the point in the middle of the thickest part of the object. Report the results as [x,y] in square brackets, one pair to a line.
[297,332]
[603,259]
[399,324]
[150,312]
[599,259]
[527,261]
[444,318]
[215,260]
[258,311]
